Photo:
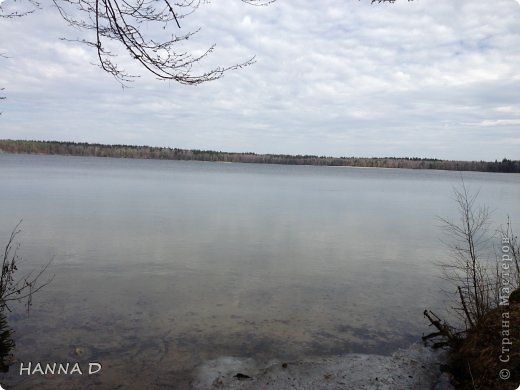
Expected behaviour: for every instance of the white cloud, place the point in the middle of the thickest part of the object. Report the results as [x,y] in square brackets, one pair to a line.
[500,122]
[349,78]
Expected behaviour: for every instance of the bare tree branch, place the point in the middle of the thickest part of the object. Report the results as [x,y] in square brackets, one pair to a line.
[125,22]
[468,267]
[33,6]
[23,288]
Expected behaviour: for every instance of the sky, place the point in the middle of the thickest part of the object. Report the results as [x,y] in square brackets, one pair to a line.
[428,78]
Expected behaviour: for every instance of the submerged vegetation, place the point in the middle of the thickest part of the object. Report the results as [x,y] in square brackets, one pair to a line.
[485,345]
[160,153]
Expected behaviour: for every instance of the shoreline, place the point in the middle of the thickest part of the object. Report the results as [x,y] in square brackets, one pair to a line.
[415,367]
[167,153]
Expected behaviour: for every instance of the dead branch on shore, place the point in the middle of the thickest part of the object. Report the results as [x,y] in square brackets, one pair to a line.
[447,334]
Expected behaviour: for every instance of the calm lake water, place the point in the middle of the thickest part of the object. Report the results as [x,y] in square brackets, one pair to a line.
[161,265]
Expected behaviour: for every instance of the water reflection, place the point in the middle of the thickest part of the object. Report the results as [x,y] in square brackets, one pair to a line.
[163,265]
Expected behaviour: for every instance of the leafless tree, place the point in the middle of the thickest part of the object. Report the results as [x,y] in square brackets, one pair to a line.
[469,267]
[13,288]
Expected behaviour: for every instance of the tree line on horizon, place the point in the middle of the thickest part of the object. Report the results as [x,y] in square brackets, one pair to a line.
[165,153]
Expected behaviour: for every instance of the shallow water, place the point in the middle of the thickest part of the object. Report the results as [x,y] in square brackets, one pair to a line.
[160,265]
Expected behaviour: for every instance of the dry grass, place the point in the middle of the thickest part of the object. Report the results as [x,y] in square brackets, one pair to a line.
[476,363]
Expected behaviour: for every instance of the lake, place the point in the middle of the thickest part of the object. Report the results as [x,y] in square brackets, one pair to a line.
[161,265]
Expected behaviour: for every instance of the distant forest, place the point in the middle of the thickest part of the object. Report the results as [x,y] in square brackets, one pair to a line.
[147,152]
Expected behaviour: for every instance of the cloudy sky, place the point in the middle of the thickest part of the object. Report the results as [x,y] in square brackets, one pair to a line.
[428,78]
